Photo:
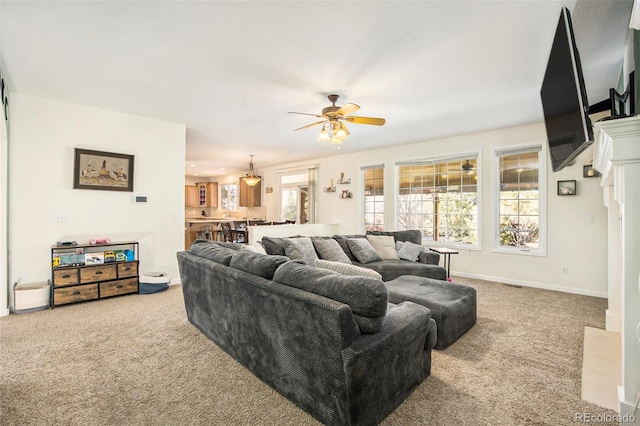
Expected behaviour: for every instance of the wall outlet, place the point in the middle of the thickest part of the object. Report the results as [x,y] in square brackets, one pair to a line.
[565,270]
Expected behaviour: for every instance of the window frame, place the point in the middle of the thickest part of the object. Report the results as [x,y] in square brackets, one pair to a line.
[541,250]
[477,155]
[363,224]
[237,206]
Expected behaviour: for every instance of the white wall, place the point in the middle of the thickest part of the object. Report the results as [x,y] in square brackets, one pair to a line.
[43,136]
[572,242]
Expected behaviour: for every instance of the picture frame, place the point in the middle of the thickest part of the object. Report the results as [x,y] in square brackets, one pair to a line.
[567,187]
[101,170]
[588,171]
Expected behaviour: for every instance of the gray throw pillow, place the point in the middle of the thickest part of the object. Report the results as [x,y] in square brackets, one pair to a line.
[329,249]
[408,250]
[300,249]
[348,269]
[363,250]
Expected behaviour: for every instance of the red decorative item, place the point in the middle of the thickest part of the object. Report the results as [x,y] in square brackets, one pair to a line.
[93,242]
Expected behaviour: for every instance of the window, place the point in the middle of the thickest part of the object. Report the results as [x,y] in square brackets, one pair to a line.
[294,197]
[440,198]
[373,184]
[229,197]
[519,198]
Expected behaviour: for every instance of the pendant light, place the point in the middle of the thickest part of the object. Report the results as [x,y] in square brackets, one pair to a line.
[251,179]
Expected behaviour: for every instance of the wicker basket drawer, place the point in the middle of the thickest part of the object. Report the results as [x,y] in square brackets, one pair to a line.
[76,293]
[65,277]
[97,273]
[116,288]
[129,269]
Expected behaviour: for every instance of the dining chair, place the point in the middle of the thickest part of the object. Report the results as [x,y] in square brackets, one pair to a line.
[227,235]
[240,231]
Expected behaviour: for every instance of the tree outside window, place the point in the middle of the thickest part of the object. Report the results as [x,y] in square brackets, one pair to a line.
[229,196]
[440,198]
[519,203]
[373,185]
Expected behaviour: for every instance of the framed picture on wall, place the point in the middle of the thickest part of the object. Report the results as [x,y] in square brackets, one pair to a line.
[101,170]
[566,187]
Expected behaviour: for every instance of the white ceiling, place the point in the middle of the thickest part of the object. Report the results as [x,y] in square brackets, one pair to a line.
[231,70]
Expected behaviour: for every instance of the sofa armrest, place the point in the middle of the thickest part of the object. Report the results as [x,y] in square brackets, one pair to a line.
[383,368]
[429,257]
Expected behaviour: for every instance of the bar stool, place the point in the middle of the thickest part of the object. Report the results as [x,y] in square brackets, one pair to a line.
[219,234]
[205,233]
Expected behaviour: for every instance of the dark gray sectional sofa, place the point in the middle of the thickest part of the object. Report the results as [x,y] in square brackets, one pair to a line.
[390,269]
[330,343]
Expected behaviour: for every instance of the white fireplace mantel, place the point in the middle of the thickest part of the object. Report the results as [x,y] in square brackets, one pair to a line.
[617,158]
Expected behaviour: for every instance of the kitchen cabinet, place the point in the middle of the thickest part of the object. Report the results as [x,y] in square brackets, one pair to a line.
[191,196]
[250,195]
[207,194]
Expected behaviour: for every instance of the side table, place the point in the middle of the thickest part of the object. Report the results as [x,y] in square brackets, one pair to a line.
[446,252]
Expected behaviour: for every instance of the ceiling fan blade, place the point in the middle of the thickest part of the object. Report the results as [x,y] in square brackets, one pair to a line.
[344,127]
[304,113]
[309,125]
[347,109]
[366,120]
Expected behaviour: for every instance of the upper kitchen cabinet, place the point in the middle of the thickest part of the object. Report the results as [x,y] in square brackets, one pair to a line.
[250,195]
[191,196]
[207,194]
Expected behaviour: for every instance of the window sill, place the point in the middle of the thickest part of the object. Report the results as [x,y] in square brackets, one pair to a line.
[521,251]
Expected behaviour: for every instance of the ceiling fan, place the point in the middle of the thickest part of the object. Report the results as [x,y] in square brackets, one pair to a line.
[333,121]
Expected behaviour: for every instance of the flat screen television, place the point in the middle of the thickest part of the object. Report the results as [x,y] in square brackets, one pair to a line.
[564,98]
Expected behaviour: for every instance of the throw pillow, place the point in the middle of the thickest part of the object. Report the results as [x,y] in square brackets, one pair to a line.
[329,249]
[409,251]
[300,249]
[384,245]
[348,269]
[255,247]
[363,250]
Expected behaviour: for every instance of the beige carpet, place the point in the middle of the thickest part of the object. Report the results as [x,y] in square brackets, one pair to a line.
[135,360]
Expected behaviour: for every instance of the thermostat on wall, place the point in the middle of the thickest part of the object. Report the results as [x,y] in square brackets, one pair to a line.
[141,199]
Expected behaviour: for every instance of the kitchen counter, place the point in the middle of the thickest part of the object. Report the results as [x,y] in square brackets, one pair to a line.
[209,220]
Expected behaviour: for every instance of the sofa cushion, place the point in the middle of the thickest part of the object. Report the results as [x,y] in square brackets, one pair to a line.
[342,240]
[392,269]
[413,235]
[300,249]
[384,245]
[348,269]
[408,251]
[329,249]
[258,264]
[213,251]
[367,297]
[363,250]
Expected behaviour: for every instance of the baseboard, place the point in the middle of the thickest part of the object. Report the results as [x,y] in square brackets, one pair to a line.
[175,281]
[4,312]
[601,294]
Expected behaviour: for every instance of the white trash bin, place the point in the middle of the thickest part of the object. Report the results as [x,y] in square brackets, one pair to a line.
[153,282]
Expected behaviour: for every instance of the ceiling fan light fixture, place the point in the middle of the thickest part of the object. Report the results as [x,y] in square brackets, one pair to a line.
[324,135]
[251,179]
[340,133]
